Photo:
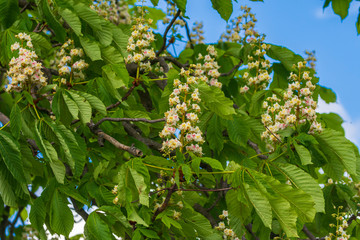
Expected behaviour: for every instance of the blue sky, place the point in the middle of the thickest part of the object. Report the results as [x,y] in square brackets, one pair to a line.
[303,25]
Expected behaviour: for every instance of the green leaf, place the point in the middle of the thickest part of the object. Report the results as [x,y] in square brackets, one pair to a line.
[214,163]
[305,182]
[155,2]
[181,4]
[68,108]
[216,101]
[98,227]
[187,172]
[358,23]
[89,16]
[15,121]
[116,74]
[6,192]
[9,11]
[50,155]
[61,218]
[284,55]
[261,204]
[199,223]
[141,187]
[224,8]
[304,154]
[280,79]
[83,105]
[105,35]
[10,152]
[52,21]
[169,221]
[299,200]
[38,214]
[214,134]
[285,215]
[238,130]
[337,149]
[327,94]
[91,48]
[341,7]
[111,55]
[72,19]
[95,102]
[333,121]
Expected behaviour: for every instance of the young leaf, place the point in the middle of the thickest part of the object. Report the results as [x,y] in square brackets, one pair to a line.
[82,104]
[91,48]
[72,19]
[304,154]
[95,102]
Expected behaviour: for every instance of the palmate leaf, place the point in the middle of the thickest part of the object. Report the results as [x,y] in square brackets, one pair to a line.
[89,16]
[61,218]
[10,153]
[303,153]
[338,150]
[238,130]
[91,48]
[51,20]
[38,214]
[214,134]
[9,11]
[301,179]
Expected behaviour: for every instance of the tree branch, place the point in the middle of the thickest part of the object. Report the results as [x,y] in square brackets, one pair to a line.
[308,233]
[147,141]
[232,70]
[127,94]
[130,149]
[128,120]
[257,149]
[163,47]
[165,203]
[188,33]
[4,119]
[78,210]
[200,209]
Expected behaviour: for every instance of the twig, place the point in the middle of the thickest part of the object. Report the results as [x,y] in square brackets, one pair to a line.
[176,62]
[200,209]
[78,210]
[128,120]
[232,70]
[257,149]
[249,229]
[308,233]
[25,7]
[147,141]
[163,47]
[279,140]
[130,149]
[165,203]
[12,225]
[127,94]
[4,119]
[188,33]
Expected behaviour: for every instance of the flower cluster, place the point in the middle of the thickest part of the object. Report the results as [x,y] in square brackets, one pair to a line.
[69,63]
[139,45]
[207,70]
[180,131]
[228,233]
[241,29]
[197,34]
[341,225]
[257,74]
[25,72]
[116,12]
[311,59]
[297,108]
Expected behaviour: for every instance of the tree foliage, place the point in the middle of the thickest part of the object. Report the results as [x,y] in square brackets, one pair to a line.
[99,119]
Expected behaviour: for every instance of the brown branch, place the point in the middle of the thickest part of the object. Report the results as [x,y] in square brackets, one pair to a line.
[188,33]
[12,225]
[176,62]
[4,119]
[165,203]
[130,149]
[26,6]
[257,149]
[200,209]
[163,47]
[308,233]
[279,140]
[128,120]
[249,229]
[232,70]
[78,210]
[147,141]
[127,94]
